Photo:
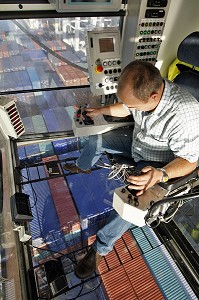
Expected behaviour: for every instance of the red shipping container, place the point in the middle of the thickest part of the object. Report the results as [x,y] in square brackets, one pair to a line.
[64,205]
[117,285]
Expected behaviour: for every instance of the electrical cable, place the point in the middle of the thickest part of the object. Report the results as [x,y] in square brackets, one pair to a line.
[119,172]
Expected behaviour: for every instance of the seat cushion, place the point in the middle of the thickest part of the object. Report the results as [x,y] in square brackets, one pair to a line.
[189,48]
[189,80]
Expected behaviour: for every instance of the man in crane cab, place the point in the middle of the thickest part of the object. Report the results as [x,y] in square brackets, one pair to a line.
[164,143]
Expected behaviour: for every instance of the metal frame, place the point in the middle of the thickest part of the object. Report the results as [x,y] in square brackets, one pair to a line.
[41,14]
[172,237]
[182,252]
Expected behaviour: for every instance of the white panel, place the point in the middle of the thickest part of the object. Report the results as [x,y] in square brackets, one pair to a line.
[104,62]
[143,30]
[10,120]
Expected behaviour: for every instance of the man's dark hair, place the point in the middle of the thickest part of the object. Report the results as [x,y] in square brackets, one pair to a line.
[142,78]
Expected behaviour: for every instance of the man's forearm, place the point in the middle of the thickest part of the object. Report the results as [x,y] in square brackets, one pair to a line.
[179,167]
[116,110]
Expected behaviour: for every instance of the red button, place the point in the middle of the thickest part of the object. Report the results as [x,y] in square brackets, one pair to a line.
[99,69]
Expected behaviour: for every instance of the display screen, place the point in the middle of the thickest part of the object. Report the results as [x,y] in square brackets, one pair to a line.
[91,1]
[94,5]
[106,45]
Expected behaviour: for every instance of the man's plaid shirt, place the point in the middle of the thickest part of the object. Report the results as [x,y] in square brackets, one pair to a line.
[170,131]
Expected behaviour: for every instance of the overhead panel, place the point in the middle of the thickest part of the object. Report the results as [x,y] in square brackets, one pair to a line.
[143,31]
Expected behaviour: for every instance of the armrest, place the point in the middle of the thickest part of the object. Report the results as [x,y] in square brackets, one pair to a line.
[175,183]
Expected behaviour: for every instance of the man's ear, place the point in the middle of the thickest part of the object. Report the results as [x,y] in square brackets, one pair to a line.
[154,95]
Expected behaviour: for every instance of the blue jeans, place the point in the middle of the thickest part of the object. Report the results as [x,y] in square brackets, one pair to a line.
[115,225]
[116,141]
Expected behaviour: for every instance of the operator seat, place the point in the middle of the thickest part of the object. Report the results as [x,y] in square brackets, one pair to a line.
[188,52]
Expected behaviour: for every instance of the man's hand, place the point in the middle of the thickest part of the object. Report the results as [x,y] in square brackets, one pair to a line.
[93,112]
[149,177]
[115,110]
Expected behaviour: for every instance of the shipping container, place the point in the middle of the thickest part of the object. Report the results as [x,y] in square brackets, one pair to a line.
[39,124]
[46,149]
[64,146]
[7,81]
[50,99]
[65,122]
[50,120]
[33,156]
[5,50]
[34,78]
[6,64]
[42,74]
[27,85]
[1,67]
[17,81]
[13,48]
[66,211]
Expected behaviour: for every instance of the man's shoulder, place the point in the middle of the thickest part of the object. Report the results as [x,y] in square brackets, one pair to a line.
[180,95]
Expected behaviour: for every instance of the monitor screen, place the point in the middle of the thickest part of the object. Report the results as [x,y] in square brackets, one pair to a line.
[91,1]
[106,45]
[82,5]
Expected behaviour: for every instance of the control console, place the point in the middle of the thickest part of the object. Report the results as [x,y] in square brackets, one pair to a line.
[83,125]
[134,209]
[104,61]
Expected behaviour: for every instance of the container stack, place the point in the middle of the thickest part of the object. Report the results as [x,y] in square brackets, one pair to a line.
[27,63]
[92,194]
[71,76]
[69,210]
[125,274]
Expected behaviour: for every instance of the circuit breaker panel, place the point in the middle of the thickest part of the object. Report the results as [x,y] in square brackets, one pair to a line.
[104,60]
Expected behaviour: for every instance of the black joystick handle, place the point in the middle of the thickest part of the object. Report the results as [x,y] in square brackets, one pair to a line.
[87,120]
[132,191]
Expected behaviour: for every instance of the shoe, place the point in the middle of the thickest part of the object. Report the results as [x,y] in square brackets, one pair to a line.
[88,264]
[74,169]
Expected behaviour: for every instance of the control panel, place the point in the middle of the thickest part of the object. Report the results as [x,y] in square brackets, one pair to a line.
[147,35]
[134,209]
[150,29]
[149,40]
[83,125]
[104,61]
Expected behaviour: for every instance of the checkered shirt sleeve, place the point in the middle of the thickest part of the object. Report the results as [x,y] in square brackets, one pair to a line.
[171,130]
